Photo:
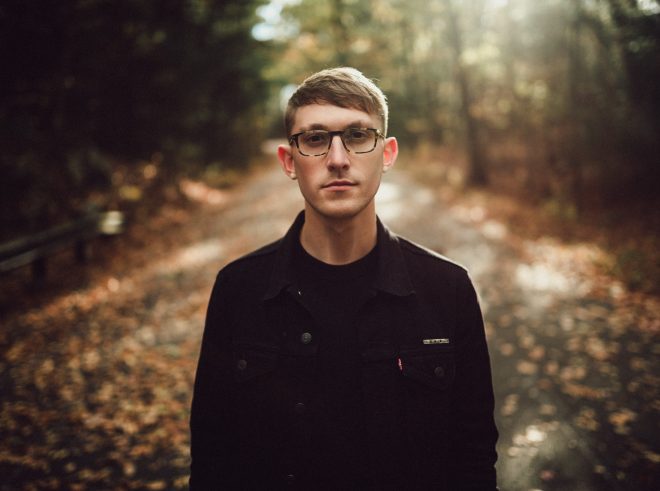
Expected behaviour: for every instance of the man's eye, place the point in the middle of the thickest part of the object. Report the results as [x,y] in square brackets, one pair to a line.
[357,134]
[315,138]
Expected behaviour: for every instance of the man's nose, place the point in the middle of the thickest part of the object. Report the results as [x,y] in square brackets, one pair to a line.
[337,153]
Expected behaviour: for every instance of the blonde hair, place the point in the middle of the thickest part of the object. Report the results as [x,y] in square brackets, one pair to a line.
[343,87]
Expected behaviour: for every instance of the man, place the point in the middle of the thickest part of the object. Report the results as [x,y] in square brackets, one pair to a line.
[342,356]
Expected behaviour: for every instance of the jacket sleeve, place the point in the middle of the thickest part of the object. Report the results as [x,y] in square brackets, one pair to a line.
[473,434]
[211,443]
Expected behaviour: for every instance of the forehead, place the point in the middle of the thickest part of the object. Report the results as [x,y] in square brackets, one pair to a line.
[328,116]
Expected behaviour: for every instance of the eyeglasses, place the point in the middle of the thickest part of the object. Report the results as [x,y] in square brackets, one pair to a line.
[314,143]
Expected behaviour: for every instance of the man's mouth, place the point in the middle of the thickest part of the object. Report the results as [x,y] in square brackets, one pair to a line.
[339,184]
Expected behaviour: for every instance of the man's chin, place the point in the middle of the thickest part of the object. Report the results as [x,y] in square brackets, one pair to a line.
[339,211]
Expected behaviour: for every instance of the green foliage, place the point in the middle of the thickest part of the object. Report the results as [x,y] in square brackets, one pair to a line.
[86,80]
[573,83]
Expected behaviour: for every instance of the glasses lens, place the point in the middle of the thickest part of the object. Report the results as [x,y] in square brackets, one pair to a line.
[359,140]
[313,142]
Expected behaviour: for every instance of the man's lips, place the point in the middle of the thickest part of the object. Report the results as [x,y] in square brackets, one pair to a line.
[339,183]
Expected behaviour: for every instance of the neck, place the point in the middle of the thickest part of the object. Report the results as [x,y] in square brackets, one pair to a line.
[338,241]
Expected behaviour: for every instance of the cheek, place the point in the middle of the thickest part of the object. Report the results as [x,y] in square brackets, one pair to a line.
[375,175]
[305,173]
[306,179]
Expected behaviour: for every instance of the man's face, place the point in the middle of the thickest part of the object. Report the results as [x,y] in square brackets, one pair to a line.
[339,184]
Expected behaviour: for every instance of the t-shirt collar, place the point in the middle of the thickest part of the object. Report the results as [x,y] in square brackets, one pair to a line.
[392,276]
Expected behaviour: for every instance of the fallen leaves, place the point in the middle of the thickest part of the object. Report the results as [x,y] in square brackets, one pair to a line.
[510,405]
[581,391]
[587,419]
[97,387]
[621,420]
[525,367]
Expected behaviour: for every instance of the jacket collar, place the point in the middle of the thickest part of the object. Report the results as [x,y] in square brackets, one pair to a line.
[392,276]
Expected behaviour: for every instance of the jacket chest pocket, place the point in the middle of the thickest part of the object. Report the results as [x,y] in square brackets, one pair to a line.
[258,392]
[407,394]
[427,372]
[254,374]
[431,367]
[427,378]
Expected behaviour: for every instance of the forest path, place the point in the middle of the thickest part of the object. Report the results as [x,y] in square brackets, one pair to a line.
[96,381]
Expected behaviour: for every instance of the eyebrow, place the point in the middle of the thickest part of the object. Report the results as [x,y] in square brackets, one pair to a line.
[358,123]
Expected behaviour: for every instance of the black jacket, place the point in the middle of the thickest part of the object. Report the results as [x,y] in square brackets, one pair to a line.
[425,377]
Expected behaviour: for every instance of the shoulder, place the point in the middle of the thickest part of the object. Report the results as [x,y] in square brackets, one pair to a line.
[252,266]
[432,272]
[434,275]
[265,253]
[419,255]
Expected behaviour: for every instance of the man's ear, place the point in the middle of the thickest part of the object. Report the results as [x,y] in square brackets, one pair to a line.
[286,160]
[390,152]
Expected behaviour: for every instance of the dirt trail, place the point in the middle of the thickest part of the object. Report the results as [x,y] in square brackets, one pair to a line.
[574,356]
[96,382]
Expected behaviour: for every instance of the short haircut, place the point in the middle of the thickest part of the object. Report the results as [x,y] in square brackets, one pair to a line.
[343,87]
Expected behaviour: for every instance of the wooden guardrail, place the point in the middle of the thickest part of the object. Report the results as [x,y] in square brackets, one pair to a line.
[34,249]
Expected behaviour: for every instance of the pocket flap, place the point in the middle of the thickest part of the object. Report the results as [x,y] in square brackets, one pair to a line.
[251,362]
[431,367]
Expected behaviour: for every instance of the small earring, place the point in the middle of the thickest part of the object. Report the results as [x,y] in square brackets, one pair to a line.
[293,176]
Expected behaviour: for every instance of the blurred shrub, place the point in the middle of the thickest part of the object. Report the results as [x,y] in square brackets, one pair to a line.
[86,82]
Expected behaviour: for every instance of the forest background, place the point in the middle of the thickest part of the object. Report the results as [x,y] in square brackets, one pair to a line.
[556,103]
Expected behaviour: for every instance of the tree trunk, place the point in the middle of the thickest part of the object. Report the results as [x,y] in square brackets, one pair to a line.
[340,33]
[575,79]
[477,166]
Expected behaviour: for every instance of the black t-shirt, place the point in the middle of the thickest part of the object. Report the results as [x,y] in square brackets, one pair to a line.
[333,295]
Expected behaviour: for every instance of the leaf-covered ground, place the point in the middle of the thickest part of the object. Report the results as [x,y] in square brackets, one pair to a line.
[96,368]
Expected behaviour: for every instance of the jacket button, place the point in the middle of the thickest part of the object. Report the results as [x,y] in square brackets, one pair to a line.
[299,407]
[439,372]
[290,478]
[306,338]
[241,364]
